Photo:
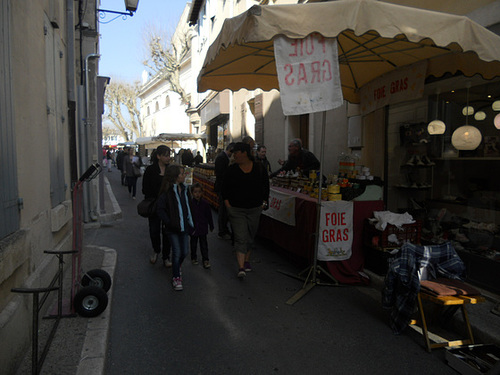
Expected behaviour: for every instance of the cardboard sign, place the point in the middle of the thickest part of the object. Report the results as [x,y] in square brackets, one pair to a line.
[308,74]
[336,231]
[281,207]
[400,85]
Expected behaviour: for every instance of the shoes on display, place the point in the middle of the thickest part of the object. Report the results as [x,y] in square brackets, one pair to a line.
[153,258]
[418,161]
[427,161]
[241,273]
[167,263]
[206,264]
[194,261]
[411,161]
[177,283]
[247,267]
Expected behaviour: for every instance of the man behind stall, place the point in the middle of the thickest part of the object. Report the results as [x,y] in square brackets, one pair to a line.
[300,158]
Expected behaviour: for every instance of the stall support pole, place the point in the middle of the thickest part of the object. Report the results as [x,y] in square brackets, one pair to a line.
[311,279]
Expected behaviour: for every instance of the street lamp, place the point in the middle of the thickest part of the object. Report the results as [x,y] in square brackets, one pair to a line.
[130,6]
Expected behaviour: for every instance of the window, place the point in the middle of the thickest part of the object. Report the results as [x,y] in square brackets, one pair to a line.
[54,77]
[148,111]
[9,214]
[167,101]
[157,107]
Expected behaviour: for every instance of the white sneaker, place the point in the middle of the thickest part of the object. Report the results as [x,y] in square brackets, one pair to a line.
[167,263]
[177,283]
[154,258]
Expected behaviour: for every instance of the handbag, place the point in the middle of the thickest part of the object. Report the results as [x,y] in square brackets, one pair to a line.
[137,171]
[147,207]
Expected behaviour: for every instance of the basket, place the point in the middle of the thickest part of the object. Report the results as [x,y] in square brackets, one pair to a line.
[380,239]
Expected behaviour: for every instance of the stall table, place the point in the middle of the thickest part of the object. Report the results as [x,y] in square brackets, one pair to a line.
[298,240]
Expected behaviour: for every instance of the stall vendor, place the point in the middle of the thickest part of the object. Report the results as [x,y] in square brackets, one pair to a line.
[298,157]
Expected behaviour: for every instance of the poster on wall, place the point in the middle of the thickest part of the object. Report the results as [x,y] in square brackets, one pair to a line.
[336,231]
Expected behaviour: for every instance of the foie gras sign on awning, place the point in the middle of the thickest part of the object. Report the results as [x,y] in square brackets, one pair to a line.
[400,85]
[308,74]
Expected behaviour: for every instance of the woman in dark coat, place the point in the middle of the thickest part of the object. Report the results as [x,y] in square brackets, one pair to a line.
[151,183]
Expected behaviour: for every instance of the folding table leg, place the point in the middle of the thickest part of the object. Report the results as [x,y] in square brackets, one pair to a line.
[424,324]
[467,323]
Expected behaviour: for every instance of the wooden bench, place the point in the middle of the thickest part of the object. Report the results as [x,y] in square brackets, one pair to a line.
[460,301]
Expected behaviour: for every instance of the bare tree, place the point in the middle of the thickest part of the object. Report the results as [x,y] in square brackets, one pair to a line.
[165,56]
[122,104]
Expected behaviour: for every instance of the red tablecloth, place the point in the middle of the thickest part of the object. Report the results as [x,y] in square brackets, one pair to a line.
[299,239]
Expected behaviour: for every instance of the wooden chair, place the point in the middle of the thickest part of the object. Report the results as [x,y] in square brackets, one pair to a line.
[458,300]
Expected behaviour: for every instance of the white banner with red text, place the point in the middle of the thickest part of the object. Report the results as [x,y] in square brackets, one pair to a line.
[335,230]
[281,207]
[308,74]
[404,84]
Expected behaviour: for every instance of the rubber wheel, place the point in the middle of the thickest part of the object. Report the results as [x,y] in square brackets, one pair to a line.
[90,301]
[98,278]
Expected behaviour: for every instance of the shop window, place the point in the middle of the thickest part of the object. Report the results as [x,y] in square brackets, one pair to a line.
[157,107]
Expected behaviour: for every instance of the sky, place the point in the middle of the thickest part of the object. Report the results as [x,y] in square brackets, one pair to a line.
[122,41]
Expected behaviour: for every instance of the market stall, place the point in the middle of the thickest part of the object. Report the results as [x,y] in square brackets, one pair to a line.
[298,240]
[384,60]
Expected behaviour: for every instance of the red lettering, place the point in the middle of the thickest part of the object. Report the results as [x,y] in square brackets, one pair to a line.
[289,81]
[310,45]
[405,83]
[322,41]
[315,71]
[379,93]
[328,70]
[339,235]
[302,74]
[325,236]
[346,234]
[294,44]
[342,219]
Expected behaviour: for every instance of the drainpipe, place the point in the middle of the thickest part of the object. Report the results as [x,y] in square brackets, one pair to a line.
[86,157]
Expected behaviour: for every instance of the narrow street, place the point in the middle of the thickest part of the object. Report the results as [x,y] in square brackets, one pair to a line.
[222,325]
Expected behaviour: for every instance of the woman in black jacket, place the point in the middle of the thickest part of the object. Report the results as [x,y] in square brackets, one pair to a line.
[151,183]
[245,191]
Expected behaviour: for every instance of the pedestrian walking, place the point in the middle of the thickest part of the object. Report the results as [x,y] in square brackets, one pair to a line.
[221,165]
[245,191]
[151,184]
[203,221]
[132,167]
[173,210]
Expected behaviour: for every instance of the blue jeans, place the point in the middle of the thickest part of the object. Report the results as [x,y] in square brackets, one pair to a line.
[180,249]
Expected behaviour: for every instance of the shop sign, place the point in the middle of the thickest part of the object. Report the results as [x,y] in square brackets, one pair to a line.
[398,86]
[281,207]
[308,74]
[336,231]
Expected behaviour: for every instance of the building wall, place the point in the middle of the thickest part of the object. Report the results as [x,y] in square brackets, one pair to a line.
[40,126]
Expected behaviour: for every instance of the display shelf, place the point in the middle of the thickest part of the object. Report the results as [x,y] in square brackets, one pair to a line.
[208,189]
[491,158]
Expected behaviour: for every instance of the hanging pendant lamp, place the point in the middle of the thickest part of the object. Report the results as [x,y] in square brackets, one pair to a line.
[436,127]
[466,137]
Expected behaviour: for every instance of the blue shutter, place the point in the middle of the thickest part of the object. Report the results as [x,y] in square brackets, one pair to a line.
[9,211]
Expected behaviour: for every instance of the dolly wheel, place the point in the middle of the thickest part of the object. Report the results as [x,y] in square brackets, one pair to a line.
[98,278]
[90,301]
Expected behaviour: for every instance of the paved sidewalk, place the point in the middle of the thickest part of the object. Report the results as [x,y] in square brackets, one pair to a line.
[80,344]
